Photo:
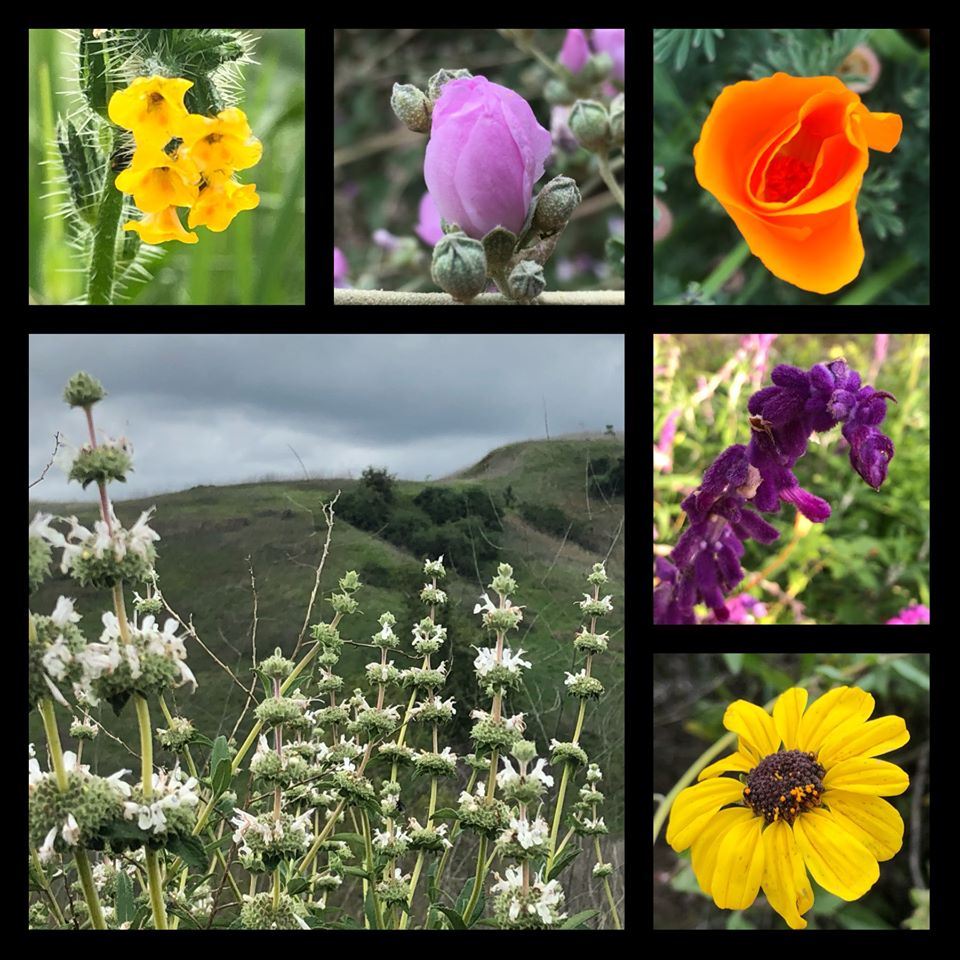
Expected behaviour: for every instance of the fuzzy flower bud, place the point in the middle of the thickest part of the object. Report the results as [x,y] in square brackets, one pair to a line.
[590,124]
[411,106]
[459,266]
[616,119]
[555,204]
[527,281]
[82,390]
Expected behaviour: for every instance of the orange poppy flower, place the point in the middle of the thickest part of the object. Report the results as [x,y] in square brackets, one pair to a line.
[785,156]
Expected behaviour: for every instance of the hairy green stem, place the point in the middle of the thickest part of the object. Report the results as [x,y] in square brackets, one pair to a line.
[477,881]
[726,269]
[103,259]
[89,889]
[606,887]
[146,767]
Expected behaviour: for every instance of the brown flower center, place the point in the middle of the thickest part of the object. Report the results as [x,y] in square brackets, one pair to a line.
[784,784]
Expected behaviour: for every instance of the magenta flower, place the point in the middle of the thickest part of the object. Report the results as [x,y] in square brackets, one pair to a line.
[340,268]
[428,229]
[612,42]
[575,51]
[486,152]
[914,614]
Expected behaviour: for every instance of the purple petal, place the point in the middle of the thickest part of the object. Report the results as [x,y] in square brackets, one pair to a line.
[785,375]
[758,528]
[812,507]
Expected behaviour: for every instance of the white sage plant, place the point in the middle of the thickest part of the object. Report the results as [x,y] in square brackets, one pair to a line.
[353,800]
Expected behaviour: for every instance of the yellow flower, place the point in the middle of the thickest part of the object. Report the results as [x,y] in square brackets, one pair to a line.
[160,227]
[225,143]
[158,180]
[152,107]
[810,801]
[220,201]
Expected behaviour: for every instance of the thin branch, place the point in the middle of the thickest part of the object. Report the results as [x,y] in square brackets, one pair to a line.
[302,467]
[381,298]
[328,516]
[57,444]
[613,542]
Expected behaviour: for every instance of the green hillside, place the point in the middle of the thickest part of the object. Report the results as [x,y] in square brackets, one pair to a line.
[538,507]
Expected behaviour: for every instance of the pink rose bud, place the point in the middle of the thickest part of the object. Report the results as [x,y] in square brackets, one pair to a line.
[575,51]
[428,229]
[486,152]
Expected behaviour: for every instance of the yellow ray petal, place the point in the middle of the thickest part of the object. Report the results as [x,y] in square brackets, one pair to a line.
[703,854]
[784,876]
[869,739]
[866,775]
[741,762]
[696,805]
[739,869]
[786,715]
[874,822]
[826,713]
[754,725]
[839,862]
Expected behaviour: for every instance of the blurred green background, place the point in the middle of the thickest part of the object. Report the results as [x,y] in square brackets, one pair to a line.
[870,559]
[893,205]
[257,260]
[378,163]
[690,695]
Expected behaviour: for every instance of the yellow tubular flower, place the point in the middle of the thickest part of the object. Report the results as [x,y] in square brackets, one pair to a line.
[809,799]
[220,201]
[152,108]
[160,227]
[158,180]
[225,143]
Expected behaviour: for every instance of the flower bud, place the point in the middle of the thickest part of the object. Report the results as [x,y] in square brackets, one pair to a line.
[411,106]
[524,750]
[82,390]
[459,266]
[527,281]
[616,119]
[555,204]
[436,82]
[598,67]
[590,124]
[557,92]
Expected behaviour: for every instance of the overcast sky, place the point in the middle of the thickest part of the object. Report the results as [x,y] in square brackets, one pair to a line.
[226,409]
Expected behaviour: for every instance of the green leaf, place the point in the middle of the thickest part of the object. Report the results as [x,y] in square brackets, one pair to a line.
[568,855]
[297,885]
[456,921]
[909,672]
[734,662]
[190,850]
[356,872]
[349,837]
[832,672]
[219,752]
[737,921]
[445,813]
[464,896]
[855,916]
[222,776]
[578,919]
[124,902]
[370,908]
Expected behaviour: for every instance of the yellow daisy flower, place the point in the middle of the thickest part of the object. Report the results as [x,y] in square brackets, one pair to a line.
[158,180]
[152,107]
[810,801]
[160,227]
[220,201]
[225,143]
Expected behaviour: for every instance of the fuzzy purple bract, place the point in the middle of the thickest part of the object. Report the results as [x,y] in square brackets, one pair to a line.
[486,152]
[704,565]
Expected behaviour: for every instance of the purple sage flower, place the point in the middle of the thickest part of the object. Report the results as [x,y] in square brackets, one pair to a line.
[704,564]
[428,229]
[912,615]
[663,451]
[486,152]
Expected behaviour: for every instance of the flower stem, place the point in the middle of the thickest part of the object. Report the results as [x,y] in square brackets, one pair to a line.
[146,776]
[606,887]
[725,269]
[104,256]
[477,882]
[89,889]
[606,175]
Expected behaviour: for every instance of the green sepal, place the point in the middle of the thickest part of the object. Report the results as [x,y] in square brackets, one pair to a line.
[499,244]
[81,165]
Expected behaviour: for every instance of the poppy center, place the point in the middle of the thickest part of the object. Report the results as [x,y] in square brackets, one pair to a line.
[784,784]
[786,177]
